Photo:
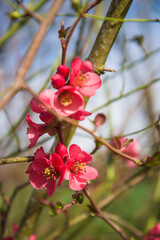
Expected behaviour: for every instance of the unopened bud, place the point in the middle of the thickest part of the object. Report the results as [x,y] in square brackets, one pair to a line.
[15,15]
[59,205]
[63,70]
[99,119]
[80,198]
[76,5]
[58,81]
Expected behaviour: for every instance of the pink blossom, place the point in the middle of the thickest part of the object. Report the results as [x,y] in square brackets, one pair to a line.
[63,70]
[154,233]
[132,149]
[35,130]
[83,78]
[58,81]
[68,101]
[76,170]
[45,170]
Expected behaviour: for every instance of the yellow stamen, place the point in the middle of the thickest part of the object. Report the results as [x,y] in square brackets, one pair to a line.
[65,98]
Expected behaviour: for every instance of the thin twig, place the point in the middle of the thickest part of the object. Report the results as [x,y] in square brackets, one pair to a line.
[74,26]
[6,212]
[28,59]
[102,216]
[16,160]
[33,14]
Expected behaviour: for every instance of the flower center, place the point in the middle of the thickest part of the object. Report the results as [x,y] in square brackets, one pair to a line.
[77,167]
[80,79]
[50,172]
[65,98]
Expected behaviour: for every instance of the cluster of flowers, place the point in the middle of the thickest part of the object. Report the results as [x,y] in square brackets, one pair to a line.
[68,101]
[154,233]
[45,170]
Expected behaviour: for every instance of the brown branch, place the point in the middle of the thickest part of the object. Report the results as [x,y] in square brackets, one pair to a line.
[102,216]
[74,26]
[33,14]
[28,59]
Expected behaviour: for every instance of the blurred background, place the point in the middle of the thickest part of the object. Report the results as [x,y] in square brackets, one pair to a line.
[130,111]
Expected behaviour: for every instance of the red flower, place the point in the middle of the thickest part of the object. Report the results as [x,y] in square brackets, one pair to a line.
[76,170]
[68,101]
[35,130]
[131,148]
[154,233]
[83,78]
[45,170]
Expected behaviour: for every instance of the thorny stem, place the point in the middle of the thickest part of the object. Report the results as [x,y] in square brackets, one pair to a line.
[74,26]
[101,215]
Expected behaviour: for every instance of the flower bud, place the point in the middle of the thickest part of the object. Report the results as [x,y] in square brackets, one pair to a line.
[63,70]
[99,119]
[58,81]
[76,5]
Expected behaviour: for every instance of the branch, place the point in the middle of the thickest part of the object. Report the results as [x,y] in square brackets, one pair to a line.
[33,14]
[28,59]
[108,33]
[101,215]
[74,26]
[147,85]
[16,160]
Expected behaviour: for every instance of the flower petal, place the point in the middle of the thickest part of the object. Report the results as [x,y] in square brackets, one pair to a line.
[36,106]
[61,150]
[90,173]
[50,187]
[76,65]
[87,66]
[40,154]
[88,157]
[74,150]
[76,183]
[47,97]
[37,180]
